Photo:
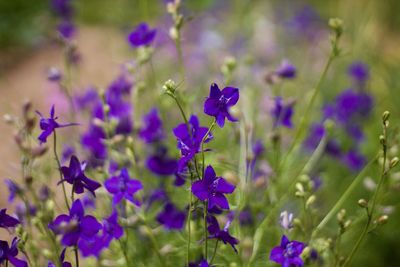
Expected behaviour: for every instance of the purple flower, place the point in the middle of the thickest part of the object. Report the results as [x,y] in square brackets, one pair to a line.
[286,70]
[156,195]
[6,220]
[221,234]
[171,217]
[123,187]
[62,260]
[66,29]
[316,133]
[201,263]
[23,211]
[351,106]
[10,253]
[152,129]
[75,226]
[54,75]
[213,188]
[359,72]
[354,160]
[63,8]
[282,113]
[142,35]
[49,125]
[111,229]
[87,99]
[92,140]
[67,153]
[288,253]
[286,220]
[189,140]
[74,175]
[92,246]
[161,164]
[13,189]
[218,103]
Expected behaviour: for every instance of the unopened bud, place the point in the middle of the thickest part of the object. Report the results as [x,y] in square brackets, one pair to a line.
[383,219]
[382,139]
[169,87]
[362,203]
[385,116]
[336,25]
[310,200]
[341,214]
[174,33]
[394,162]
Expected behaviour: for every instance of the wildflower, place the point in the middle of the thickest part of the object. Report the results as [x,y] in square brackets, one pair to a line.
[67,153]
[286,220]
[218,103]
[282,113]
[13,189]
[201,263]
[213,188]
[62,260]
[63,8]
[286,70]
[189,140]
[74,175]
[351,106]
[161,164]
[92,246]
[66,29]
[54,75]
[359,72]
[221,234]
[142,35]
[49,125]
[152,130]
[87,99]
[10,253]
[354,160]
[111,229]
[75,226]
[24,211]
[123,187]
[288,253]
[6,220]
[171,217]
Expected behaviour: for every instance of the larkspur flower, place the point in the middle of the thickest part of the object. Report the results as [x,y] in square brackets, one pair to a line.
[9,254]
[212,189]
[152,129]
[62,260]
[286,220]
[142,35]
[63,8]
[54,75]
[87,99]
[286,70]
[219,102]
[288,253]
[282,113]
[111,229]
[160,163]
[200,263]
[66,29]
[221,234]
[75,226]
[23,212]
[351,106]
[13,189]
[354,160]
[74,175]
[92,246]
[6,220]
[123,187]
[189,140]
[49,125]
[171,217]
[359,72]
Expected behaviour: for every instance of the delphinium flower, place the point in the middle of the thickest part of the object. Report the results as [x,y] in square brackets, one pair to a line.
[74,174]
[62,261]
[24,211]
[75,226]
[282,113]
[219,102]
[152,129]
[49,125]
[13,189]
[87,99]
[123,187]
[286,70]
[171,217]
[306,23]
[288,253]
[160,163]
[9,253]
[67,153]
[359,72]
[212,189]
[200,263]
[6,220]
[142,35]
[111,229]
[354,160]
[220,234]
[54,75]
[189,140]
[64,9]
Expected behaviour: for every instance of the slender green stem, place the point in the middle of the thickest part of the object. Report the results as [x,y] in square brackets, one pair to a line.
[76,256]
[178,45]
[205,230]
[215,252]
[189,219]
[59,169]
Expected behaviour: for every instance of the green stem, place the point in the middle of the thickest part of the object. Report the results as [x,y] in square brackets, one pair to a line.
[188,220]
[76,256]
[59,169]
[205,230]
[214,253]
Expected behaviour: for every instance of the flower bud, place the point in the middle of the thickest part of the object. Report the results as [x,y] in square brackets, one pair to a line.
[385,116]
[394,162]
[310,201]
[169,87]
[362,203]
[336,25]
[341,214]
[174,33]
[383,219]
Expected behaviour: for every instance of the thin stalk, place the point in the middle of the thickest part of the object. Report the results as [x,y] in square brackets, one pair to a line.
[76,256]
[188,220]
[205,230]
[215,252]
[59,169]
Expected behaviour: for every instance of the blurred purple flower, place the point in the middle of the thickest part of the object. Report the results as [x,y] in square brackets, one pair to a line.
[66,29]
[54,75]
[171,217]
[286,220]
[152,129]
[359,72]
[63,8]
[111,229]
[161,164]
[351,105]
[282,113]
[212,189]
[218,103]
[354,160]
[75,226]
[13,189]
[62,260]
[288,253]
[142,35]
[123,187]
[6,220]
[286,70]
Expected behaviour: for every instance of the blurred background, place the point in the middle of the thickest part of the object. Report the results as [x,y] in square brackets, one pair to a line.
[276,29]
